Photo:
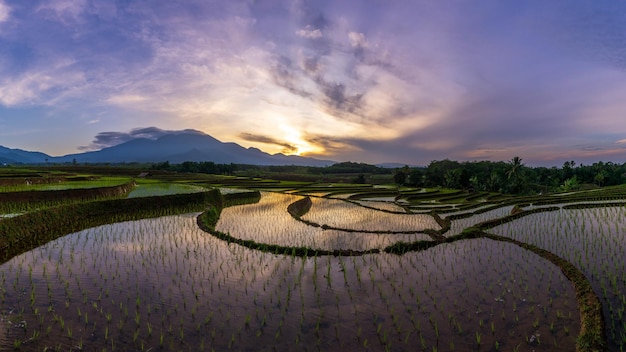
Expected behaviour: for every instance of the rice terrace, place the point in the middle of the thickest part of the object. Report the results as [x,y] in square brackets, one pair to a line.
[101,259]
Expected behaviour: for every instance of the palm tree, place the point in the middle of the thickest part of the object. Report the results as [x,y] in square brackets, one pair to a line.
[514,174]
[515,166]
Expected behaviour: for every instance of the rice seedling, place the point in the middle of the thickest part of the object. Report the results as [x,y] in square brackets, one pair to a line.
[590,238]
[163,282]
[345,215]
[267,222]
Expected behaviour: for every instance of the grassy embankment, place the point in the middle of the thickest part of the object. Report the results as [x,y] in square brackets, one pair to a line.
[591,337]
[28,231]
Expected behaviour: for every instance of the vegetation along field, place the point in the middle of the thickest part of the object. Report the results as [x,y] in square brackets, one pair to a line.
[151,258]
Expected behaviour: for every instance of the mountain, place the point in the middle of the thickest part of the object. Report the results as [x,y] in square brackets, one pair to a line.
[13,156]
[186,146]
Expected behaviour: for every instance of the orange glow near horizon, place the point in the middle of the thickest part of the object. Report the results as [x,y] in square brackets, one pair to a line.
[294,138]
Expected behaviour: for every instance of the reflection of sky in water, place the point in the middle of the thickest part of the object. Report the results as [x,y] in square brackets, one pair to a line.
[269,222]
[178,278]
[340,214]
[458,225]
[594,240]
[383,205]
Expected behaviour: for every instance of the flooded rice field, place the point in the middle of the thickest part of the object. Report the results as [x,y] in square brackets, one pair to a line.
[594,240]
[269,222]
[165,284]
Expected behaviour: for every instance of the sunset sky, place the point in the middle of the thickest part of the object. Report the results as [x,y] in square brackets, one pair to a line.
[372,81]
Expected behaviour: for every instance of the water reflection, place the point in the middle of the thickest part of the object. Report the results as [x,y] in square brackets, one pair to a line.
[269,222]
[163,283]
[594,240]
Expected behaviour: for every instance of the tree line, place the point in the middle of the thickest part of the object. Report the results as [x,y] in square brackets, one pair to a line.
[512,177]
[202,167]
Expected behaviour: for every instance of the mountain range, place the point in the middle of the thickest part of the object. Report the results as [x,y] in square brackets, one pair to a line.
[188,145]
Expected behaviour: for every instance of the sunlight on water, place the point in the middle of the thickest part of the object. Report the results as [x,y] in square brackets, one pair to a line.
[163,283]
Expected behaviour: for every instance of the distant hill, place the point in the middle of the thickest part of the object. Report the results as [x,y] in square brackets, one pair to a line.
[19,156]
[176,148]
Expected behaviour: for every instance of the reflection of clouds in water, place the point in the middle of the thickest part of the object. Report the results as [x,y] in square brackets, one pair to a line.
[185,275]
[382,203]
[337,213]
[269,222]
[593,240]
[458,225]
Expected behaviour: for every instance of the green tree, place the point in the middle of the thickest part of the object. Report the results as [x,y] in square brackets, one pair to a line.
[599,178]
[494,182]
[571,184]
[514,175]
[416,178]
[568,169]
[399,177]
[453,178]
[436,171]
[360,179]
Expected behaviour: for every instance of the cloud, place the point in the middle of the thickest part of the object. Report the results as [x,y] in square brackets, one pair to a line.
[309,33]
[124,99]
[5,12]
[367,80]
[251,137]
[41,86]
[109,139]
[284,76]
[64,11]
[357,40]
[338,99]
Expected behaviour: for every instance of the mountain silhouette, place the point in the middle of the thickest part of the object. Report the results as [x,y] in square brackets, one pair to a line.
[19,156]
[188,145]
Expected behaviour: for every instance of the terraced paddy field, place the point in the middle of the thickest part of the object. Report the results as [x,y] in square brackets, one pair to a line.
[306,267]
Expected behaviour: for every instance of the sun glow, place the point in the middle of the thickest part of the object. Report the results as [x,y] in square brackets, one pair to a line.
[298,144]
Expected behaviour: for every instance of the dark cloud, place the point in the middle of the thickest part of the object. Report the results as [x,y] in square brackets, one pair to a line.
[287,148]
[326,53]
[336,93]
[591,148]
[373,150]
[109,139]
[338,99]
[330,144]
[284,76]
[446,79]
[311,65]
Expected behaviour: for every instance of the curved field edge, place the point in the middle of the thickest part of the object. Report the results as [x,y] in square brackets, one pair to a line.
[208,220]
[301,207]
[592,336]
[26,232]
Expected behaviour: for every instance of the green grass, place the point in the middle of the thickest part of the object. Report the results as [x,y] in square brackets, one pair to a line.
[150,189]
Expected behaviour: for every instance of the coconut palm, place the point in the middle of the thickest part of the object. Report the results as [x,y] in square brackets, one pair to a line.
[515,165]
[515,174]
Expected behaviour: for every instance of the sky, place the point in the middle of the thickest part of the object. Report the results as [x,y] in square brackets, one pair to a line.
[373,81]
